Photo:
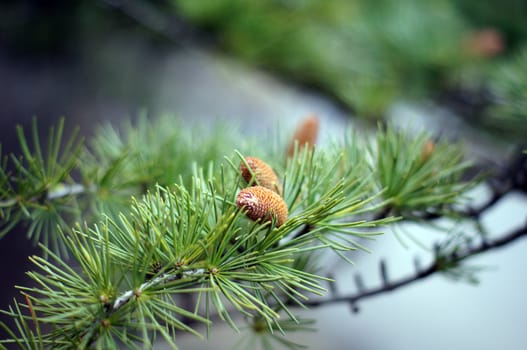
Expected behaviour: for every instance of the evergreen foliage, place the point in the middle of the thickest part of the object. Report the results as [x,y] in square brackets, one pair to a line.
[156,217]
[508,113]
[97,177]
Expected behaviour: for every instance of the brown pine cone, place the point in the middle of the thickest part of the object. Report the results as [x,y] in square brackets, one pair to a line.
[305,134]
[263,173]
[261,203]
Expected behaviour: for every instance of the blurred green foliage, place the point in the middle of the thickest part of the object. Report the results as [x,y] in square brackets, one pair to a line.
[506,15]
[508,85]
[364,54]
[368,54]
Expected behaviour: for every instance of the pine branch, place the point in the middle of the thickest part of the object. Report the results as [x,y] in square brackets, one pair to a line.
[510,178]
[193,238]
[238,234]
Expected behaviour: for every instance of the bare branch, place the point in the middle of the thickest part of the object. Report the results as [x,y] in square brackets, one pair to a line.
[435,267]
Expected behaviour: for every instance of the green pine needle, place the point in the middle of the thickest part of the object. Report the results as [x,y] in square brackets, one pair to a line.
[146,243]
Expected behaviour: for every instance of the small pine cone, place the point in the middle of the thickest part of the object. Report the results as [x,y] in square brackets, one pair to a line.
[487,42]
[264,174]
[305,134]
[428,148]
[262,203]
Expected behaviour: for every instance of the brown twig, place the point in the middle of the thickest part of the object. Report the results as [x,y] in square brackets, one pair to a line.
[435,267]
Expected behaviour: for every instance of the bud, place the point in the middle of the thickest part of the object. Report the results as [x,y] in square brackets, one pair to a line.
[427,150]
[261,203]
[263,174]
[484,43]
[305,134]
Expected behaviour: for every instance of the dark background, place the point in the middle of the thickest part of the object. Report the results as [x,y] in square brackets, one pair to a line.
[46,72]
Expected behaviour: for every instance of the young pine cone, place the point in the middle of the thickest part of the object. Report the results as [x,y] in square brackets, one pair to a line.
[261,203]
[263,173]
[305,134]
[427,150]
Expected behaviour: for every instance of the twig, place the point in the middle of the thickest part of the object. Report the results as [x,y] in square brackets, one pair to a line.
[513,177]
[70,190]
[473,213]
[363,293]
[435,267]
[125,297]
[57,193]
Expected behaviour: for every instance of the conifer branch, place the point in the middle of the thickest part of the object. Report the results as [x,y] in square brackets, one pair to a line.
[236,246]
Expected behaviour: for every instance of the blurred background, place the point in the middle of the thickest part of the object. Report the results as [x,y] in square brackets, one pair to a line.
[455,67]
